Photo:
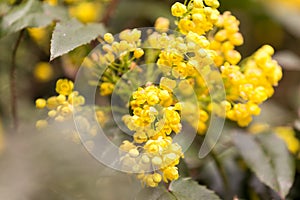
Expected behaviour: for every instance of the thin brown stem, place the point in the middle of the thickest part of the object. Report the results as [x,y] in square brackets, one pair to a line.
[13,84]
[110,11]
[223,174]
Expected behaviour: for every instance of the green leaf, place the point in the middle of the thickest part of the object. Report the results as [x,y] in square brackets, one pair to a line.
[268,157]
[31,14]
[71,34]
[159,193]
[187,189]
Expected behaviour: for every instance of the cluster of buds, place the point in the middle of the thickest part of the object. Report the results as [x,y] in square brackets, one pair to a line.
[152,153]
[60,107]
[117,58]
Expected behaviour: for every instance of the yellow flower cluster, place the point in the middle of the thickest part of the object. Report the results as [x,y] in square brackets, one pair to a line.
[60,107]
[247,83]
[118,57]
[198,16]
[106,88]
[152,154]
[225,39]
[251,84]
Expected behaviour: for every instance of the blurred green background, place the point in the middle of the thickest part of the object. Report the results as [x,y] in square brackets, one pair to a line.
[38,166]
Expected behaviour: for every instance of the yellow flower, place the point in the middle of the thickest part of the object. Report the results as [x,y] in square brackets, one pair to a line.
[43,71]
[242,113]
[127,146]
[140,137]
[134,153]
[108,37]
[38,34]
[138,53]
[157,177]
[40,103]
[51,2]
[186,25]
[101,118]
[162,24]
[178,9]
[170,174]
[106,88]
[40,124]
[86,11]
[287,134]
[212,3]
[64,86]
[150,180]
[198,3]
[256,128]
[75,99]
[52,103]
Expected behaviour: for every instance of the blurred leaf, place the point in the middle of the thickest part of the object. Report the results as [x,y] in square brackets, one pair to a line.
[267,156]
[31,14]
[187,189]
[71,34]
[159,193]
[288,60]
[273,113]
[288,16]
[282,161]
[129,13]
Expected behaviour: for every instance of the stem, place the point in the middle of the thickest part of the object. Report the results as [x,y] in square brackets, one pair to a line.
[109,11]
[13,85]
[223,174]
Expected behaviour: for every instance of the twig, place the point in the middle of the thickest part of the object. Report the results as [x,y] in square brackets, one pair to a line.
[13,85]
[221,169]
[110,11]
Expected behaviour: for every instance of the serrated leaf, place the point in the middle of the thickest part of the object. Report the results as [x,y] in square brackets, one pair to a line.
[267,156]
[187,189]
[282,161]
[71,34]
[31,14]
[159,193]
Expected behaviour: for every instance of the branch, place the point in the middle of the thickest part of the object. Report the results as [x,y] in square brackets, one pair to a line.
[13,85]
[110,11]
